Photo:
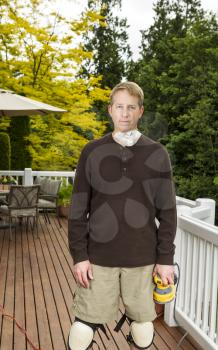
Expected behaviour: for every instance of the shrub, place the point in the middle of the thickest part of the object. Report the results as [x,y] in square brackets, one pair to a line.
[65,194]
[5,151]
[19,136]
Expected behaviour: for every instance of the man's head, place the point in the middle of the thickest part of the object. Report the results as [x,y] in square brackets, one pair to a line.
[126,106]
[132,88]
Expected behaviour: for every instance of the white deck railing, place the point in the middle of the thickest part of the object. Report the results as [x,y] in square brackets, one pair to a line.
[196,242]
[26,176]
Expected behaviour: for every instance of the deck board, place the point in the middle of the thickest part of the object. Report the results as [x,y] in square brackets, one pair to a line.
[29,288]
[3,274]
[37,287]
[19,342]
[7,325]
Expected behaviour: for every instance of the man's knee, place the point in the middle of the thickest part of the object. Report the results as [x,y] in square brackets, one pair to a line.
[81,335]
[141,334]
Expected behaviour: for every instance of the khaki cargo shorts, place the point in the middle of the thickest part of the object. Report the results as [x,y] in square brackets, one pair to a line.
[100,302]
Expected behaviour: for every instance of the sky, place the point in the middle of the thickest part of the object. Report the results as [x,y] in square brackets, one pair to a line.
[139,14]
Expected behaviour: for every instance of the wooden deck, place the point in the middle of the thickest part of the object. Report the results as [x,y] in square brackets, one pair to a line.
[37,286]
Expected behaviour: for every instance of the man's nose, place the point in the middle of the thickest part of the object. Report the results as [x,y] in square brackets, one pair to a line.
[125,111]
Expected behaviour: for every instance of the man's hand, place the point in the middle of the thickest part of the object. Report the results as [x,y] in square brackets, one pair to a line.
[166,273]
[83,272]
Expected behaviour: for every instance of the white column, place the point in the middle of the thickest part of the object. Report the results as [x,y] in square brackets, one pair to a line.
[207,202]
[28,177]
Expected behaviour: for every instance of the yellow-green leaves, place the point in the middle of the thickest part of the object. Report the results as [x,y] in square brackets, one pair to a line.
[40,57]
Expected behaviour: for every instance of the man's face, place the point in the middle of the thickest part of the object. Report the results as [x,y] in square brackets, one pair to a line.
[125,111]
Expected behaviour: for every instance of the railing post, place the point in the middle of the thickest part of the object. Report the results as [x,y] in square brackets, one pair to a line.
[207,202]
[28,177]
[169,307]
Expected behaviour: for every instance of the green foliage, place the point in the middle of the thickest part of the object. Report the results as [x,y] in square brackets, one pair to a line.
[65,194]
[40,61]
[178,72]
[7,180]
[19,132]
[195,187]
[5,151]
[108,43]
[215,181]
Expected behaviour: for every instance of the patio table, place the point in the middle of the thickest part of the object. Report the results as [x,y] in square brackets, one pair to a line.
[4,192]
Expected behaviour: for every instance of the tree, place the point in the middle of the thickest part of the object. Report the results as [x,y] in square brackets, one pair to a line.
[191,89]
[41,61]
[178,72]
[108,42]
[172,20]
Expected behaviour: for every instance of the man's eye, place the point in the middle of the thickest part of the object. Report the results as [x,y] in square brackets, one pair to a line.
[132,107]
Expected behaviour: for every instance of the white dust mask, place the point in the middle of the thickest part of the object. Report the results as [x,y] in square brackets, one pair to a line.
[128,138]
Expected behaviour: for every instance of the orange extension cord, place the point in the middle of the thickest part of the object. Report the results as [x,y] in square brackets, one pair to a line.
[11,317]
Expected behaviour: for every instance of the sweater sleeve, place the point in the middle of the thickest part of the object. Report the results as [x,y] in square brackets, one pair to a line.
[79,211]
[165,203]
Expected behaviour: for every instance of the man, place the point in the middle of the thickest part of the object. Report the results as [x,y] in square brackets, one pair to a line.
[123,182]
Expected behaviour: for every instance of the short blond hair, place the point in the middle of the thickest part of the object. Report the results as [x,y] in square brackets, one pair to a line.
[132,88]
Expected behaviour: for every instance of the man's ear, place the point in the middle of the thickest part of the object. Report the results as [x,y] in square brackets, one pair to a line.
[109,110]
[142,111]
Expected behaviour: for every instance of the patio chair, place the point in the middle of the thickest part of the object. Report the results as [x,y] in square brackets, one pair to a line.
[22,202]
[48,196]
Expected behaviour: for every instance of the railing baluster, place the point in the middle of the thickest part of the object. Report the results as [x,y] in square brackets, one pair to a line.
[183,269]
[187,273]
[200,283]
[179,260]
[192,313]
[207,289]
[217,325]
[214,297]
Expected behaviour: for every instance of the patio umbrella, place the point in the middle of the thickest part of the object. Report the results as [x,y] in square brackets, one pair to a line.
[12,104]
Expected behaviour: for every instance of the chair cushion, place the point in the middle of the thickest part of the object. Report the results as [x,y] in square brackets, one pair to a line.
[4,209]
[42,181]
[52,187]
[48,186]
[18,212]
[42,203]
[23,212]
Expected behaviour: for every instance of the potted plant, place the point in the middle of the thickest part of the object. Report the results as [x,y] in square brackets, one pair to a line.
[64,198]
[6,181]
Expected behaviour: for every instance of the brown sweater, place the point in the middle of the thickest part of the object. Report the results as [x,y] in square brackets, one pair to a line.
[118,192]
